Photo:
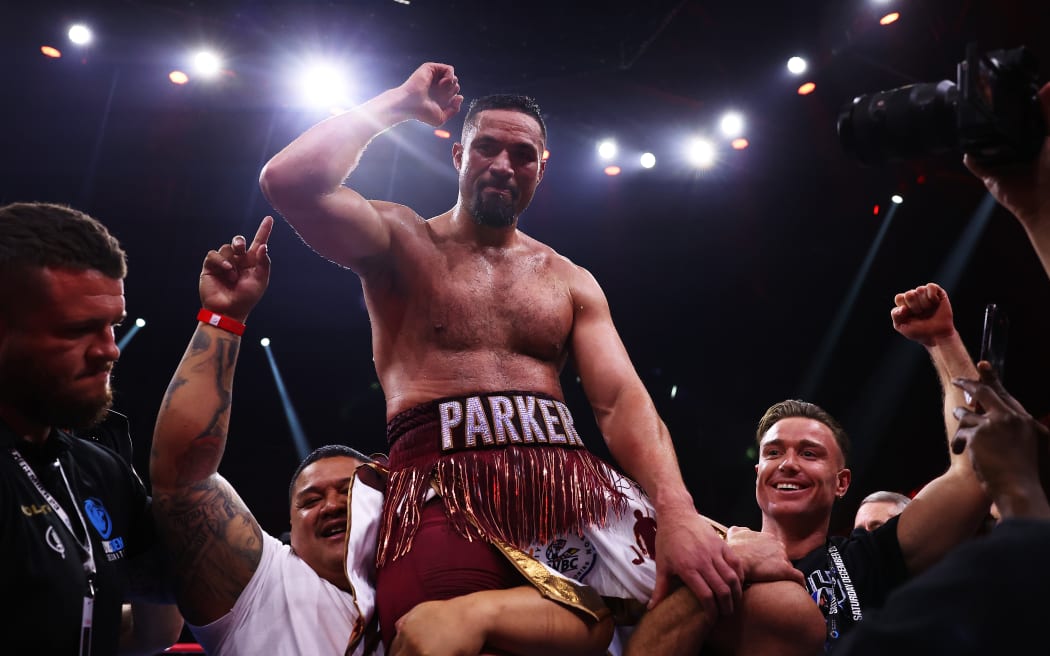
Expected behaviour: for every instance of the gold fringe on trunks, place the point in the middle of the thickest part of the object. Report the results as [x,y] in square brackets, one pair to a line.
[516,494]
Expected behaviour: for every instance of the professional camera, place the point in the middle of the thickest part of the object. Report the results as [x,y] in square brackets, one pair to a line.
[991,113]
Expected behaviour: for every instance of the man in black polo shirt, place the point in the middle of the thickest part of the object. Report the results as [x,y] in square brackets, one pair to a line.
[75,524]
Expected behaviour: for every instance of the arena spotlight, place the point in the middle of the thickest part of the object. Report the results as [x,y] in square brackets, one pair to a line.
[50,51]
[139,324]
[607,149]
[207,63]
[647,160]
[80,34]
[323,85]
[443,134]
[264,342]
[701,153]
[178,77]
[732,124]
[889,18]
[546,154]
[797,65]
[806,89]
[897,199]
[740,143]
[612,170]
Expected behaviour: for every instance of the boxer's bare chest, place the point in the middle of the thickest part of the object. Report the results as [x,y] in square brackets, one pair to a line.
[512,302]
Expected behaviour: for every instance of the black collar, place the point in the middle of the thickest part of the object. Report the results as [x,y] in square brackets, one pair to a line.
[57,443]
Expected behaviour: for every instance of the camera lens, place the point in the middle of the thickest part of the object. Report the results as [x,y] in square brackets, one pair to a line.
[901,123]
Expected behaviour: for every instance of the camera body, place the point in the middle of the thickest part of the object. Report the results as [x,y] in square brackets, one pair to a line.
[991,113]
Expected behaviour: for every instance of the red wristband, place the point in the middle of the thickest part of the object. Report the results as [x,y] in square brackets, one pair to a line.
[219,321]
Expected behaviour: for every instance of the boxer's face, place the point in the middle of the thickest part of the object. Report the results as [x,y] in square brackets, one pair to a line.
[500,164]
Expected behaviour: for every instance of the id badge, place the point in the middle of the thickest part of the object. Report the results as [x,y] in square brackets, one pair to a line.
[85,626]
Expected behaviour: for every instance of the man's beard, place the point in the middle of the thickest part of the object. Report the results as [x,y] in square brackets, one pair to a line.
[41,399]
[493,210]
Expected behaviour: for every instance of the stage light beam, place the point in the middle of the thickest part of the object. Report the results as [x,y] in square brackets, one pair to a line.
[647,160]
[797,65]
[302,446]
[139,324]
[607,149]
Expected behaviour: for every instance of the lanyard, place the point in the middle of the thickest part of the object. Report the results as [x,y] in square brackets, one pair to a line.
[840,575]
[86,547]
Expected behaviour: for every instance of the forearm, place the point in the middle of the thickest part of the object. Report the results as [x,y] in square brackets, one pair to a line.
[1025,500]
[951,360]
[1038,230]
[190,434]
[320,159]
[521,621]
[949,508]
[677,625]
[148,629]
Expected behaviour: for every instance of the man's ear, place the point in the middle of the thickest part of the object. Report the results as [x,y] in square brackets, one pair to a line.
[842,482]
[543,167]
[457,155]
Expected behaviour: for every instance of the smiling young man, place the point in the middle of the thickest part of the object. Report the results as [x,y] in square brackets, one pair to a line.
[802,469]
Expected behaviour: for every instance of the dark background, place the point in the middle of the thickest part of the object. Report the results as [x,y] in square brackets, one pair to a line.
[725,284]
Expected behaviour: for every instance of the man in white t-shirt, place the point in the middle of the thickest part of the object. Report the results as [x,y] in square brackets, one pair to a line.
[240,589]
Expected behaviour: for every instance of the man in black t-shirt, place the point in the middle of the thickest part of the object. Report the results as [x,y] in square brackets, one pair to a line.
[802,470]
[75,523]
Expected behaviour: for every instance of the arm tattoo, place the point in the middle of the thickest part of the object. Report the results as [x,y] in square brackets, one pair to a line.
[200,343]
[176,382]
[215,541]
[202,454]
[225,361]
